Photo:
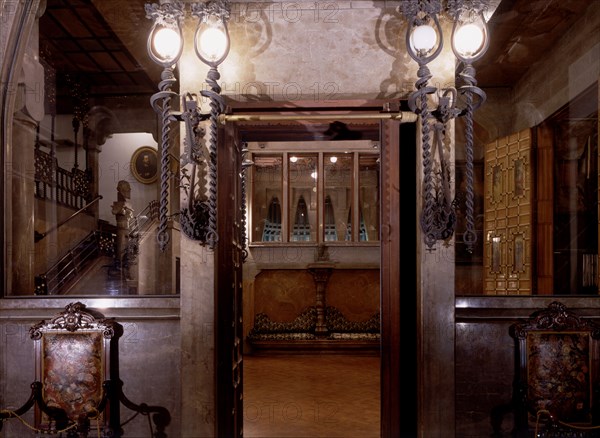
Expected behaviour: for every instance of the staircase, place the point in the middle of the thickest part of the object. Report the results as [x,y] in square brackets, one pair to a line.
[76,262]
[92,255]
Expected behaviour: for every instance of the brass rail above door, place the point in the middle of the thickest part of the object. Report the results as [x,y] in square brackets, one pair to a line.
[402,116]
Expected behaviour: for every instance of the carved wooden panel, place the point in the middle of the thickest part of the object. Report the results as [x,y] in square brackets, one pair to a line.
[508,215]
[228,294]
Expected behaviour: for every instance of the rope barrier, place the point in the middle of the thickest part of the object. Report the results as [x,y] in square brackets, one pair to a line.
[13,414]
[562,423]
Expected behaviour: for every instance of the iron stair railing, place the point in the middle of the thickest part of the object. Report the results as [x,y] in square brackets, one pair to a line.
[95,244]
[73,263]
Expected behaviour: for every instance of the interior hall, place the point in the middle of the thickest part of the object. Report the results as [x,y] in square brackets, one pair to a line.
[276,218]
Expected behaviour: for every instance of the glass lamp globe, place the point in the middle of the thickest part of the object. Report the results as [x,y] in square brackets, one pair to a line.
[468,39]
[423,38]
[212,41]
[166,43]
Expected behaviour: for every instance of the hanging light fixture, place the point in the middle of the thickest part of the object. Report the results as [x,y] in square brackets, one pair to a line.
[424,42]
[165,46]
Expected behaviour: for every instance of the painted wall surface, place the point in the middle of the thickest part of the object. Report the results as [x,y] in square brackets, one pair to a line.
[320,51]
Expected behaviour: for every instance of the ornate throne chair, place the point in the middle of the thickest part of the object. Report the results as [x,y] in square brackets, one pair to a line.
[77,389]
[557,365]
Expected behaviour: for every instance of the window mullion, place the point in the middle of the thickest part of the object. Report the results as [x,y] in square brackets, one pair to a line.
[285,217]
[320,198]
[355,199]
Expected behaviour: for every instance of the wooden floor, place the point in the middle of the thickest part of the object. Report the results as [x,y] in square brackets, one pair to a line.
[316,395]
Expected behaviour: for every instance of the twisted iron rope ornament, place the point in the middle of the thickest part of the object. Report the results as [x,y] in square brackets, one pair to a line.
[217,105]
[161,102]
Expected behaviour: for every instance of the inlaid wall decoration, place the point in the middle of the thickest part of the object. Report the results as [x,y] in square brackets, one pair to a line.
[508,215]
[518,253]
[496,254]
[497,184]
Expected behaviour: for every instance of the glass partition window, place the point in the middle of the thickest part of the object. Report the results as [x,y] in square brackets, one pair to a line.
[368,197]
[338,170]
[536,202]
[302,207]
[311,196]
[267,198]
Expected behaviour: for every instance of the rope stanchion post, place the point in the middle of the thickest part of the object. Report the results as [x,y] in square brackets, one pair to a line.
[556,422]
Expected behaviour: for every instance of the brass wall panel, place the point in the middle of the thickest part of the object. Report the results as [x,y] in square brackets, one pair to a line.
[508,215]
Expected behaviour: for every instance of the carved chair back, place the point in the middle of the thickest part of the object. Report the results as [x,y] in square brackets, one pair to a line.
[557,358]
[73,359]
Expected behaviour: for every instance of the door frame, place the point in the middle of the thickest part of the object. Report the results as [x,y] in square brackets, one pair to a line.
[391,380]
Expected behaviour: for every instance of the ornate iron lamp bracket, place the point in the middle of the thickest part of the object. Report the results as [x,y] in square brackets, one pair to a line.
[438,218]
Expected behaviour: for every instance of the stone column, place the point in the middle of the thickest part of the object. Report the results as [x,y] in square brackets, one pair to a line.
[92,150]
[165,283]
[23,189]
[29,111]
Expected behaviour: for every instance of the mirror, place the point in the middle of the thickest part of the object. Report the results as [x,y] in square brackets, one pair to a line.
[85,160]
[536,208]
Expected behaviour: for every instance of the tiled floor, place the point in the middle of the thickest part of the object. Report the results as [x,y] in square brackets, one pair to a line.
[311,396]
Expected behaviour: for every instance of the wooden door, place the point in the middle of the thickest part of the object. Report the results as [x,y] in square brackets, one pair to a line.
[398,308]
[228,286]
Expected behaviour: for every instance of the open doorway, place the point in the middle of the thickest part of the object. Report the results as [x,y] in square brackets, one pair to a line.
[311,245]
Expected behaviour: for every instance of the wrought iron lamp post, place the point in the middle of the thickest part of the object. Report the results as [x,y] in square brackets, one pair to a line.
[424,42]
[211,44]
[165,45]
